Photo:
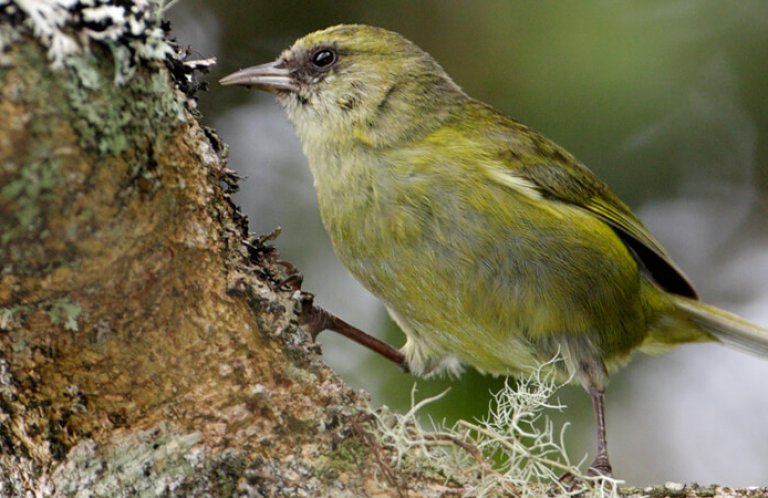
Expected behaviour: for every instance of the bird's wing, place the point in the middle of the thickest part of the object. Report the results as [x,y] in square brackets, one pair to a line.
[551,172]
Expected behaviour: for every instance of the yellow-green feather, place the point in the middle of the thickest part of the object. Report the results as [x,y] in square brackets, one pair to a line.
[489,244]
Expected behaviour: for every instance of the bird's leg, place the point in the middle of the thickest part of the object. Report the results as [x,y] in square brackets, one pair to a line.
[601,465]
[317,319]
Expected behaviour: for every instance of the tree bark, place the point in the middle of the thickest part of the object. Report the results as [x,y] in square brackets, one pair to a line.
[146,346]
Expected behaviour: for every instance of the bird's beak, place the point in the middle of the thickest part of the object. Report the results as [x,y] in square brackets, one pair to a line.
[271,77]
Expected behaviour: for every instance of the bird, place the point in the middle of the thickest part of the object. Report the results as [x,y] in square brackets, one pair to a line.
[489,244]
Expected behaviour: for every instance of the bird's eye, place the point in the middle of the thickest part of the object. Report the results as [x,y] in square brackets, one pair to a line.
[323,58]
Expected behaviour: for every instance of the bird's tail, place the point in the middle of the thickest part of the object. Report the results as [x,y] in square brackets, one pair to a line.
[726,327]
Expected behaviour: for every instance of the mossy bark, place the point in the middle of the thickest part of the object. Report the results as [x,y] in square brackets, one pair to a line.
[146,347]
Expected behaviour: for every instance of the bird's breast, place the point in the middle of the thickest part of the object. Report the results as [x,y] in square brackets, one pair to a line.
[478,267]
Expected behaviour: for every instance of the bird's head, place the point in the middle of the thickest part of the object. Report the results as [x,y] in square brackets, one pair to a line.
[356,83]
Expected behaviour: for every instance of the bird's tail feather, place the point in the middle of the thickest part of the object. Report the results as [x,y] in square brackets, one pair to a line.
[730,329]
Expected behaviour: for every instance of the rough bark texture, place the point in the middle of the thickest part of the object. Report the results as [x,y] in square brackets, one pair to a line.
[146,344]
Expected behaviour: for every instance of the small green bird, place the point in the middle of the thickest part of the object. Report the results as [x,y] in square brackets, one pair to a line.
[489,244]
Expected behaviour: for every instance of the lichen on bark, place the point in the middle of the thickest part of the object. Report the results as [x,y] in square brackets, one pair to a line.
[146,347]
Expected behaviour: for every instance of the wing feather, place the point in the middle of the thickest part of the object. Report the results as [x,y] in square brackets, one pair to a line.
[532,161]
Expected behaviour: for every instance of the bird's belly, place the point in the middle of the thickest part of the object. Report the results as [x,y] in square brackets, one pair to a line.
[494,289]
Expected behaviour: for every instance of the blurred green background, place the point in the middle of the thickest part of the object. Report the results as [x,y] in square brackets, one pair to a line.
[667,101]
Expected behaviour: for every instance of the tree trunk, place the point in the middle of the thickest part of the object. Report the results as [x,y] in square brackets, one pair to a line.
[148,345]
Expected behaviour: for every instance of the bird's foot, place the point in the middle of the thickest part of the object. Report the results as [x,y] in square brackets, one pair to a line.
[601,467]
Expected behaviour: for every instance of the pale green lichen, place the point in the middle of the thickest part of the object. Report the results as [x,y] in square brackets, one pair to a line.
[28,192]
[347,456]
[47,20]
[64,28]
[7,316]
[515,450]
[110,119]
[147,463]
[66,312]
[152,463]
[300,375]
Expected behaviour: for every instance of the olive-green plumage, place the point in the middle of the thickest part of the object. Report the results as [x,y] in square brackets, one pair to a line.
[489,244]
